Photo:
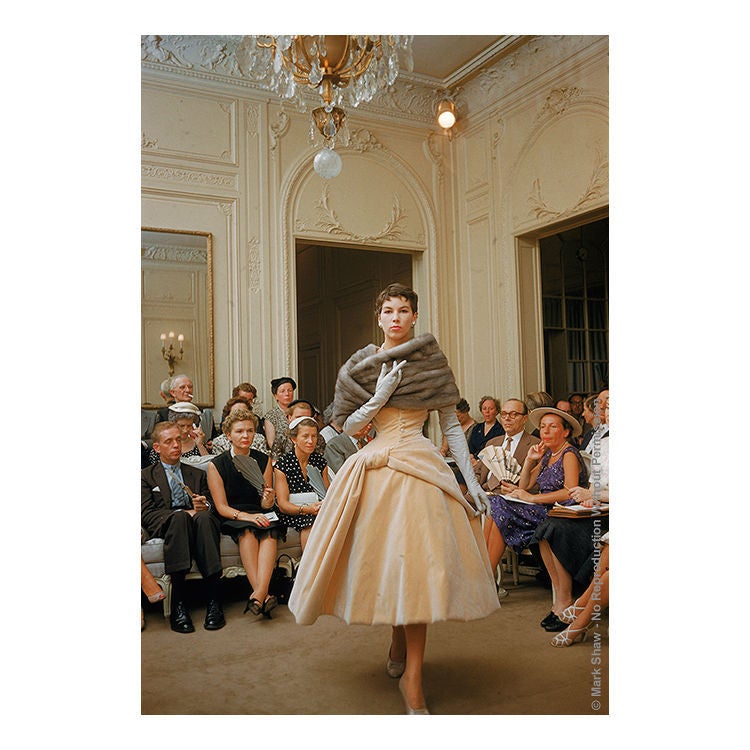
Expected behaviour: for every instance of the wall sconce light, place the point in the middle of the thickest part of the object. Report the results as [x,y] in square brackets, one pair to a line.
[446,114]
[170,355]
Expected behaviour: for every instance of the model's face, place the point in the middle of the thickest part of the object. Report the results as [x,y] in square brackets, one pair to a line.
[307,439]
[285,394]
[169,445]
[512,417]
[396,318]
[241,435]
[182,390]
[489,410]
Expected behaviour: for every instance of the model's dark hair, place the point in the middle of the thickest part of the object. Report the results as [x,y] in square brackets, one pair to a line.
[397,290]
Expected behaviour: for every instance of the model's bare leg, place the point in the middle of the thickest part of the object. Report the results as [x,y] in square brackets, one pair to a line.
[411,682]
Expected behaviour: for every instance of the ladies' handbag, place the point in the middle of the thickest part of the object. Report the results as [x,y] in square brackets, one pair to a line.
[282,578]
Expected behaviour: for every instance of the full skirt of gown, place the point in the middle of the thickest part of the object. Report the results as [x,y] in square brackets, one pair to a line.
[395,542]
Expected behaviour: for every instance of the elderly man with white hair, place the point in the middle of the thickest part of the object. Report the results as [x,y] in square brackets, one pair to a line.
[181,391]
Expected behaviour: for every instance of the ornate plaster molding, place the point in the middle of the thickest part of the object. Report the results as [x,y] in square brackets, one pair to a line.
[434,154]
[363,140]
[279,129]
[252,119]
[254,265]
[174,254]
[189,176]
[596,190]
[328,222]
[557,102]
[148,143]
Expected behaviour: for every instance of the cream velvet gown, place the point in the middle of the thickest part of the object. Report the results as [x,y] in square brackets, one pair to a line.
[395,542]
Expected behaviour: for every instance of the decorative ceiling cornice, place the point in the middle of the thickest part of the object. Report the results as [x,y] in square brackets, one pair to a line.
[502,68]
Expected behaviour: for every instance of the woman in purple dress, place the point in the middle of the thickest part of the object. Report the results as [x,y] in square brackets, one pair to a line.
[552,466]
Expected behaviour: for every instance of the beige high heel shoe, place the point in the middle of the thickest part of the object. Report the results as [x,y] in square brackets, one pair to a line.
[409,710]
[394,668]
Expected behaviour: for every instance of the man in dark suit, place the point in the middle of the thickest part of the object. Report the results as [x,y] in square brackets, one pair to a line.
[513,416]
[176,507]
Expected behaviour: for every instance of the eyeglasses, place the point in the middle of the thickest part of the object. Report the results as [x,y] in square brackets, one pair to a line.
[510,414]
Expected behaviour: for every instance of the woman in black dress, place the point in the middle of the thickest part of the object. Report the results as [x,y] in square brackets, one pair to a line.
[240,484]
[296,472]
[487,429]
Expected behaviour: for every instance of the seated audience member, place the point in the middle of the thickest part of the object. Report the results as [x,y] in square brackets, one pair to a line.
[298,408]
[549,466]
[150,417]
[294,473]
[176,507]
[221,443]
[588,418]
[240,481]
[601,428]
[563,405]
[245,390]
[330,430]
[151,589]
[585,611]
[487,429]
[343,446]
[466,422]
[275,423]
[185,415]
[535,401]
[576,405]
[181,391]
[567,544]
[516,441]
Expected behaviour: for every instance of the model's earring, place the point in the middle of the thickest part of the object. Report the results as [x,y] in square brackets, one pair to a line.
[413,323]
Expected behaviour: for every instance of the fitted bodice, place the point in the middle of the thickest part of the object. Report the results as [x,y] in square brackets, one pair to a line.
[398,426]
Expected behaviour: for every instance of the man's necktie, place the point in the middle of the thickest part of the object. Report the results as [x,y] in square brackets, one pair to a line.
[180,498]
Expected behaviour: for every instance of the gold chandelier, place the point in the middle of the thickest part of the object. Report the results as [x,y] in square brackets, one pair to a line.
[335,65]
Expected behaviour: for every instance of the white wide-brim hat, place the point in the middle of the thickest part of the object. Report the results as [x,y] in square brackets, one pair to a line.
[535,417]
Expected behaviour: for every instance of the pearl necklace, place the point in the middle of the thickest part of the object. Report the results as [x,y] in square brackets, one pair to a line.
[557,452]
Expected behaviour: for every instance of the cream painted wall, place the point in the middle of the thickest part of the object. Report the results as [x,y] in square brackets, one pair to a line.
[530,152]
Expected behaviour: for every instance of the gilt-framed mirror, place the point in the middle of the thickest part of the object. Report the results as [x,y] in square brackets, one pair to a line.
[176,299]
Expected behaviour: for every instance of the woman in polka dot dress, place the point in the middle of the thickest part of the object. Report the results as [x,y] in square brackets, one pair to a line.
[292,475]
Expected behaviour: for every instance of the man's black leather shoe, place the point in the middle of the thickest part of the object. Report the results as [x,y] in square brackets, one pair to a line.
[214,616]
[180,620]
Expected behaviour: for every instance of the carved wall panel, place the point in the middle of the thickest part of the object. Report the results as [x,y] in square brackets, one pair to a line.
[182,124]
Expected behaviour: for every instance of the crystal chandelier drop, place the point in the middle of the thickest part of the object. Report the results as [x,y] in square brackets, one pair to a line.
[343,69]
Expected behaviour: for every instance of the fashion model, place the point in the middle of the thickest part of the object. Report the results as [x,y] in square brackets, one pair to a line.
[395,541]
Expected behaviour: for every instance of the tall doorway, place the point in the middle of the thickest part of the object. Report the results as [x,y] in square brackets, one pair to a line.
[336,290]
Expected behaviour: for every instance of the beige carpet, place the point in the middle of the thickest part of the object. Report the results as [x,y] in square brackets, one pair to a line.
[500,665]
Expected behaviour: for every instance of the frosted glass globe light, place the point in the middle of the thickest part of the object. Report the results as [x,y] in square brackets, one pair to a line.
[327,163]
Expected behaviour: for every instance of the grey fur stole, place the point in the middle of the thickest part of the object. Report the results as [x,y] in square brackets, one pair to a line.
[427,380]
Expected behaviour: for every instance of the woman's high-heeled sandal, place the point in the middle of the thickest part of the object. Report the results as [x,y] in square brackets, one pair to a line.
[569,636]
[253,606]
[570,613]
[269,604]
[153,598]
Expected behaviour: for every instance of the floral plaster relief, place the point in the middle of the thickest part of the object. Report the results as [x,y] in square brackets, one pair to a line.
[365,204]
[565,173]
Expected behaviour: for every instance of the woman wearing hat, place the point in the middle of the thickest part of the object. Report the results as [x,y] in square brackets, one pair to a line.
[187,417]
[275,423]
[551,467]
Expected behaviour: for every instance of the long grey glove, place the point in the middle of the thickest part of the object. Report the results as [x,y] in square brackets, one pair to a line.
[460,451]
[388,381]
